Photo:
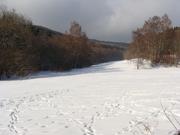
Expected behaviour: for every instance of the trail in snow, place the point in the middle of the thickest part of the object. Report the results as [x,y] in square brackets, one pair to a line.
[107,99]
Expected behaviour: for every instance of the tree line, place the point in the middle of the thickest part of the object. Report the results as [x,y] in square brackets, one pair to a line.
[25,50]
[157,41]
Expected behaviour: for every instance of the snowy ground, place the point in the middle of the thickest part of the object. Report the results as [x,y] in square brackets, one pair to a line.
[108,99]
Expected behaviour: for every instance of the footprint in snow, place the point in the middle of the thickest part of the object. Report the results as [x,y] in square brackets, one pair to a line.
[52,122]
[47,117]
[43,126]
[1,105]
[29,120]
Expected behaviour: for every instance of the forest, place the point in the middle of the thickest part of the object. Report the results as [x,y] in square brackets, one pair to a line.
[26,48]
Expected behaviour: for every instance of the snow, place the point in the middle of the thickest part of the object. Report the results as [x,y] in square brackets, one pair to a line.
[107,99]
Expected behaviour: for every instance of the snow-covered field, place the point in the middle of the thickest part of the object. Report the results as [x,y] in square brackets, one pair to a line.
[107,99]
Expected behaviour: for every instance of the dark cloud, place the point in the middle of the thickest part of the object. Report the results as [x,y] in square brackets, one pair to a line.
[101,19]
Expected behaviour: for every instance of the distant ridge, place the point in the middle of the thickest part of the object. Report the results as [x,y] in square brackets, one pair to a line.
[39,30]
[121,45]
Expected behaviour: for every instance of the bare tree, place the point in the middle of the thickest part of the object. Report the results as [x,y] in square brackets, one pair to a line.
[76,30]
[154,41]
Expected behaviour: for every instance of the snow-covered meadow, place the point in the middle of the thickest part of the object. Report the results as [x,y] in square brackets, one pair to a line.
[107,99]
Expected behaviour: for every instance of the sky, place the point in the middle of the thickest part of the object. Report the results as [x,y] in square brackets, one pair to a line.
[109,20]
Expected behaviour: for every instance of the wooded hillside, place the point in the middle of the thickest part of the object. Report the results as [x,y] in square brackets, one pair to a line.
[26,48]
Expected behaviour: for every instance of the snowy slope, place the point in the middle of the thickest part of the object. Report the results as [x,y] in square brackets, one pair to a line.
[107,99]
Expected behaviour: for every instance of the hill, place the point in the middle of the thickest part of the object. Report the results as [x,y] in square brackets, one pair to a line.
[39,30]
[28,48]
[108,99]
[104,51]
[120,45]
